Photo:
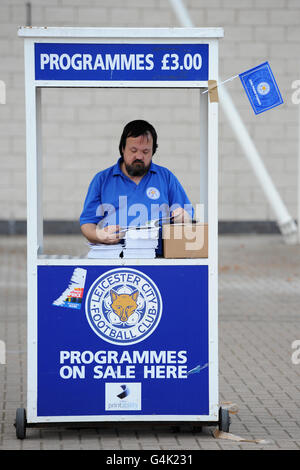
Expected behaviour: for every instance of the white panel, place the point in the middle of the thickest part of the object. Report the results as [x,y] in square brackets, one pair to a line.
[213,235]
[69,32]
[113,84]
[34,222]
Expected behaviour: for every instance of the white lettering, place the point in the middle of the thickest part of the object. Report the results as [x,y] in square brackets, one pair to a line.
[68,372]
[124,357]
[54,61]
[64,355]
[44,60]
[112,63]
[140,62]
[78,61]
[99,62]
[76,64]
[165,372]
[64,61]
[118,372]
[127,63]
[149,61]
[87,61]
[75,357]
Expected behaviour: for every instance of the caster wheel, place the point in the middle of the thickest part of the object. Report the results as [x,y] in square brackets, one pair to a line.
[175,429]
[21,423]
[224,420]
[197,429]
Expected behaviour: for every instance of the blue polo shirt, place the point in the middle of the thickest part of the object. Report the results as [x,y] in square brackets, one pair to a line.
[114,199]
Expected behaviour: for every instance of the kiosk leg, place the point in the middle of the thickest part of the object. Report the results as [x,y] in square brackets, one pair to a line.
[21,423]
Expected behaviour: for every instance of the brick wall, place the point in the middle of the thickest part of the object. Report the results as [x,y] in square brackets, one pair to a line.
[81,128]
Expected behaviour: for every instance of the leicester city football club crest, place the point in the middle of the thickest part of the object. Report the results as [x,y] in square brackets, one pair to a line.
[263,88]
[123,306]
[153,193]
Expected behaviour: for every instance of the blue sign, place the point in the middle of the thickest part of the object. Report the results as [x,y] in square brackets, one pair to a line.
[138,343]
[121,62]
[261,88]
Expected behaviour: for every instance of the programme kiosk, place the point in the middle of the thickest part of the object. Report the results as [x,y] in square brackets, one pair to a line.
[84,365]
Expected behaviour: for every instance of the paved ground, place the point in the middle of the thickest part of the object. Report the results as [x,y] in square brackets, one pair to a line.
[259,321]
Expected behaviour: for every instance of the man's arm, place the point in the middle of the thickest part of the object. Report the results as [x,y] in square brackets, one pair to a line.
[109,235]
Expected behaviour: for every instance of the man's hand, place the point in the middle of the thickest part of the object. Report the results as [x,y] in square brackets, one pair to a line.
[96,234]
[110,234]
[180,215]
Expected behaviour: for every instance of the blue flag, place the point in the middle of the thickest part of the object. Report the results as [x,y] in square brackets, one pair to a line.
[261,88]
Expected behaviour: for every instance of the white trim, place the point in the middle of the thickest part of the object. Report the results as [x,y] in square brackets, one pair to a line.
[70,32]
[298,177]
[204,154]
[34,227]
[213,236]
[39,160]
[125,418]
[117,40]
[119,84]
[56,261]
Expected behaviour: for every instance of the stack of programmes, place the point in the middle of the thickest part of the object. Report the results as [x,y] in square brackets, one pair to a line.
[139,242]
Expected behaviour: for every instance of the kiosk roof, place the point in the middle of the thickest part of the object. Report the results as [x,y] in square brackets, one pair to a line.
[70,32]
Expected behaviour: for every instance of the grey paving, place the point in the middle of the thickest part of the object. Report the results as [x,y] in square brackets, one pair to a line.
[259,296]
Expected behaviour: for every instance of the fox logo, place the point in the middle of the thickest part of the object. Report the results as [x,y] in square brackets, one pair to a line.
[124,305]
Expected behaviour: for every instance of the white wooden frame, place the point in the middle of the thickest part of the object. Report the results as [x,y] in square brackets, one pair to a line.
[208,191]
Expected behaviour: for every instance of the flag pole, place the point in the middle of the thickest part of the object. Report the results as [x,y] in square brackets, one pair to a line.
[286,223]
[298,214]
[222,83]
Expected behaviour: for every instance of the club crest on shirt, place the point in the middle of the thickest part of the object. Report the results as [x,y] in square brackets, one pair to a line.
[123,306]
[153,193]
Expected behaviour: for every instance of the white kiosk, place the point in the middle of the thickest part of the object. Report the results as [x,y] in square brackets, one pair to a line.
[81,367]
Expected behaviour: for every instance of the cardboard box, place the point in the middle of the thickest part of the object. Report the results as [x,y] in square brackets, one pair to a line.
[188,240]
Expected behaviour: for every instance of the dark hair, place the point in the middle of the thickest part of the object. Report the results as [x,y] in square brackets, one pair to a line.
[135,129]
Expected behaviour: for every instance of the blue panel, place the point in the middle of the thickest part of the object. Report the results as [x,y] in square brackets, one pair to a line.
[121,62]
[137,343]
